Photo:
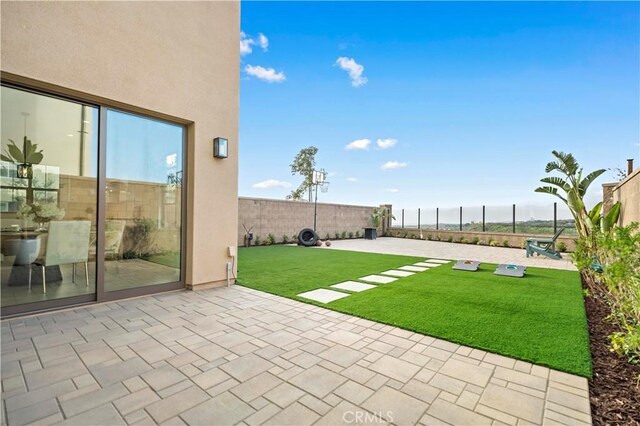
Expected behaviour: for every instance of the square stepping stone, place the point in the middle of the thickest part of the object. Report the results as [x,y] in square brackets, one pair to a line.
[413,268]
[427,264]
[353,286]
[437,261]
[396,273]
[323,295]
[378,279]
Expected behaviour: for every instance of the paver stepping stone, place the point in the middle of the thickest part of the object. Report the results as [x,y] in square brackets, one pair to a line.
[323,295]
[427,264]
[437,261]
[413,268]
[378,279]
[353,286]
[396,273]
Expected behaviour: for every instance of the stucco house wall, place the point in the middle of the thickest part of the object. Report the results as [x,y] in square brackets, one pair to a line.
[172,60]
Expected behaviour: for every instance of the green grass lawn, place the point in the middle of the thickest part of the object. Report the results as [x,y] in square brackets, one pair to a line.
[539,318]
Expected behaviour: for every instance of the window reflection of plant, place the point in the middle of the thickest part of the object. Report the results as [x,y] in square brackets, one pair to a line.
[174,179]
[34,188]
[139,239]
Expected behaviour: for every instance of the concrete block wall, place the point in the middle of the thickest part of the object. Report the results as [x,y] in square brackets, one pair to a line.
[284,217]
[126,200]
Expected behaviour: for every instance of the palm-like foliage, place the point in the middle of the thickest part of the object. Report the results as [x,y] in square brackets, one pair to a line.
[378,214]
[28,154]
[571,189]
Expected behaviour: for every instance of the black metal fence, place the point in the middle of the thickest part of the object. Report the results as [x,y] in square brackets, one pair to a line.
[524,219]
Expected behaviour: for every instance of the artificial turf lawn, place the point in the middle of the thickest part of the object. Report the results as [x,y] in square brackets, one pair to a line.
[539,318]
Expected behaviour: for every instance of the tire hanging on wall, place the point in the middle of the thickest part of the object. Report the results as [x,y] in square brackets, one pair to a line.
[307,237]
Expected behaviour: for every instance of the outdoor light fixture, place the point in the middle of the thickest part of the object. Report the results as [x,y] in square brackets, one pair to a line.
[25,171]
[220,148]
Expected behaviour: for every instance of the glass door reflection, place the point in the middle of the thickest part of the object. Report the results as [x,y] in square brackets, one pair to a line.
[143,232]
[48,200]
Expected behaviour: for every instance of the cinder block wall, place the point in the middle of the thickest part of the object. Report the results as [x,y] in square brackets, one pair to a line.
[283,217]
[126,200]
[628,193]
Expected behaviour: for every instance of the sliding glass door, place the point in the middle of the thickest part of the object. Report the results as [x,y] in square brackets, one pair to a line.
[48,199]
[143,198]
[91,202]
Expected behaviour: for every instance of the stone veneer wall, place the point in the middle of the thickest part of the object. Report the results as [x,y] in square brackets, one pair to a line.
[284,217]
[628,193]
[515,240]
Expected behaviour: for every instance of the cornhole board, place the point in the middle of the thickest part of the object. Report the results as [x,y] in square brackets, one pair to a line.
[510,270]
[467,265]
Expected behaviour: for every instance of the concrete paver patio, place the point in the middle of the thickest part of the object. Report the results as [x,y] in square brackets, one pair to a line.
[451,251]
[236,355]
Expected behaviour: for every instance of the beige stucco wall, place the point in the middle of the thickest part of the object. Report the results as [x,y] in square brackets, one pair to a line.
[282,217]
[173,60]
[628,193]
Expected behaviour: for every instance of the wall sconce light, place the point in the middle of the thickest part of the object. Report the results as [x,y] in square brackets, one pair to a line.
[220,148]
[25,171]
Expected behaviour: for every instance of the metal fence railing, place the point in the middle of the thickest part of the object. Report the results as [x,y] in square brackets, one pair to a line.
[516,219]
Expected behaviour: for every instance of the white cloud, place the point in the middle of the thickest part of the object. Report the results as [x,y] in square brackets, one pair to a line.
[386,143]
[265,74]
[392,190]
[354,69]
[362,144]
[247,41]
[393,165]
[245,44]
[271,183]
[263,42]
[352,179]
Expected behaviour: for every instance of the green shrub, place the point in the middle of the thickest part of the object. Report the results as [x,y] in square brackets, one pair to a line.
[357,234]
[404,234]
[450,239]
[460,239]
[337,234]
[505,243]
[627,343]
[523,244]
[350,234]
[493,243]
[619,282]
[256,240]
[429,237]
[327,237]
[475,240]
[343,234]
[285,239]
[561,246]
[271,239]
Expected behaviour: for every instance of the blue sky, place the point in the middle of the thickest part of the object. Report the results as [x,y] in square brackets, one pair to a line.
[475,96]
